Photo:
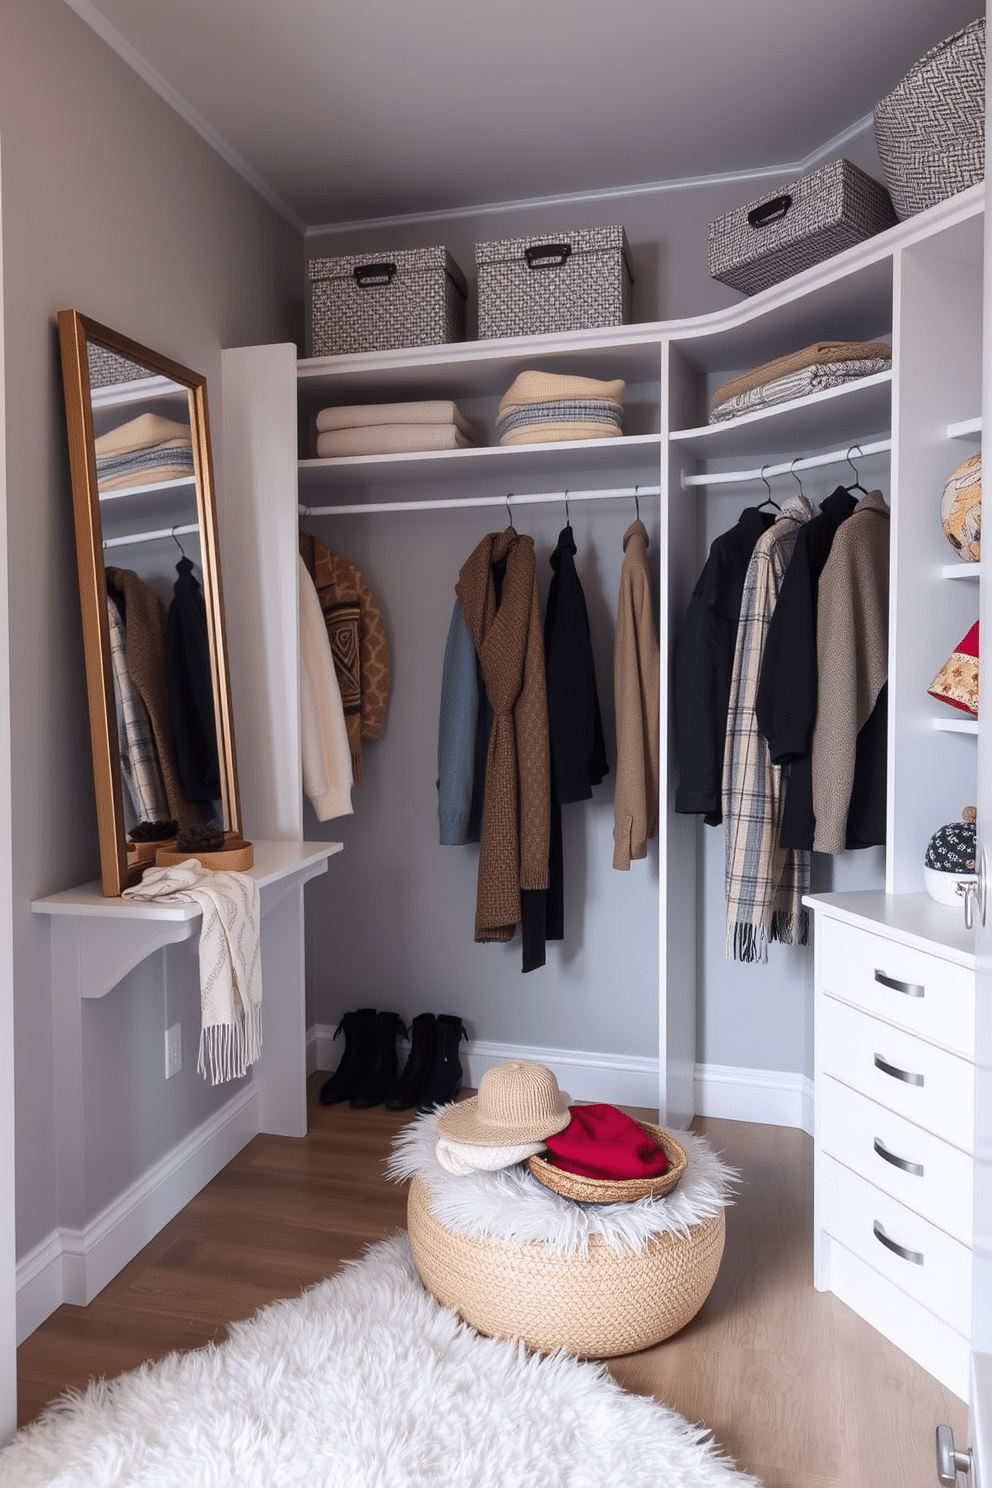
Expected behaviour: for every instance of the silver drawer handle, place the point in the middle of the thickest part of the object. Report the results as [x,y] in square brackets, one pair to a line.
[911,989]
[916,1256]
[897,1074]
[898,1162]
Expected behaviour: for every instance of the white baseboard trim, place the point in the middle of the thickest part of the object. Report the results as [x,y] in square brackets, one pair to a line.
[74,1265]
[767,1097]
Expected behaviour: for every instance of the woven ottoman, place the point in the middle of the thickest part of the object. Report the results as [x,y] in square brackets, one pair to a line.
[597,1305]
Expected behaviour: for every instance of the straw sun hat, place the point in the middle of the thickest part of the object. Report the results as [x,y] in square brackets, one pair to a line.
[517,1102]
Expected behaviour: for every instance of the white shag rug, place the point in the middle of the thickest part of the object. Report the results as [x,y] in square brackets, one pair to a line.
[363,1382]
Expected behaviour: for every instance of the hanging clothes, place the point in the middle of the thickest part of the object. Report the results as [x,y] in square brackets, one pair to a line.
[326,752]
[498,593]
[358,640]
[191,688]
[704,664]
[787,690]
[144,625]
[578,747]
[462,739]
[636,688]
[765,882]
[141,779]
[849,764]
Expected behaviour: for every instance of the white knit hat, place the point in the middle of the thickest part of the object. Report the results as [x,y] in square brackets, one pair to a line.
[463,1158]
[517,1102]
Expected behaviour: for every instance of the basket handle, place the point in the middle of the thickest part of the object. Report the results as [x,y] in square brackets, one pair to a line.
[370,274]
[547,255]
[770,211]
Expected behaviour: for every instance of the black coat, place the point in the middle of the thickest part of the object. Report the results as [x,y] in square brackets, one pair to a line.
[787,687]
[704,665]
[191,693]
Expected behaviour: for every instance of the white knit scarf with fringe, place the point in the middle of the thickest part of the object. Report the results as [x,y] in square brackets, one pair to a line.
[230,962]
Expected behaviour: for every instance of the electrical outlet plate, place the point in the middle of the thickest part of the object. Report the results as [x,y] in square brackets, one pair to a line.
[173,1050]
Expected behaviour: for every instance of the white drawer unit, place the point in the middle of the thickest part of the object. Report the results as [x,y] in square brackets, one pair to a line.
[895,1090]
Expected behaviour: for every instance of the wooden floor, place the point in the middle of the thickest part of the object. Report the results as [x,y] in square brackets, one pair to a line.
[793,1385]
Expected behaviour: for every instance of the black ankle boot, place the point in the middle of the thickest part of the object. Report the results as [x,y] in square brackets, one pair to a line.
[357,1059]
[381,1078]
[406,1092]
[445,1078]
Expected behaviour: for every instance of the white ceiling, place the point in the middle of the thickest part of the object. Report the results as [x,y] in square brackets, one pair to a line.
[344,110]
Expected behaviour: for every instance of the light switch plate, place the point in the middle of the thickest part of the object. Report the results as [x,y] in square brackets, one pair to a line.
[173,1050]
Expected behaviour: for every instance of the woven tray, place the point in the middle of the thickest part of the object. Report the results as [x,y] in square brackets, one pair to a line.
[237,856]
[614,1190]
[595,1306]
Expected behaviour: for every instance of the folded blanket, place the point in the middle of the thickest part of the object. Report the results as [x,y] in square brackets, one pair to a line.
[557,433]
[819,353]
[140,433]
[390,439]
[799,384]
[173,452]
[363,415]
[540,387]
[560,410]
[230,962]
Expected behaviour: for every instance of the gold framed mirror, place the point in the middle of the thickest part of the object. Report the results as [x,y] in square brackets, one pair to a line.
[154,643]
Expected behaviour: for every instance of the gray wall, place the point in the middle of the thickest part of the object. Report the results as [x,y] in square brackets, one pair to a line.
[113,206]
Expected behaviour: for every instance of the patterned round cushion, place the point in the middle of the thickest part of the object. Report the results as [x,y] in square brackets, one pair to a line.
[961,509]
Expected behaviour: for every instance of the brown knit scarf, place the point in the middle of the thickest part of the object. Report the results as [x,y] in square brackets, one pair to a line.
[513,851]
[358,643]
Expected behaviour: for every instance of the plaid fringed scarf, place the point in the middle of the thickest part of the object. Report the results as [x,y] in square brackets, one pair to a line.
[765,882]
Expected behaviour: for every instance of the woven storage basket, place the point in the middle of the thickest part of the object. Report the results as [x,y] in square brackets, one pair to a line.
[930,130]
[538,286]
[378,302]
[614,1190]
[594,1306]
[236,856]
[811,219]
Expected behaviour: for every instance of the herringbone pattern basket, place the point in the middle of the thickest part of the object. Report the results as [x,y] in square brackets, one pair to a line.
[596,1306]
[930,130]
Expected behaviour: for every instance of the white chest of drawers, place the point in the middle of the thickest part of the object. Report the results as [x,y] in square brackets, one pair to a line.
[894,1132]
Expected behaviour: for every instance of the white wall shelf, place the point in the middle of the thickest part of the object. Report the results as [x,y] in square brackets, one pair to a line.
[966,429]
[846,414]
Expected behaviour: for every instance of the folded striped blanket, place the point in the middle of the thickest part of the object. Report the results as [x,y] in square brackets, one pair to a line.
[800,384]
[593,411]
[560,433]
[819,353]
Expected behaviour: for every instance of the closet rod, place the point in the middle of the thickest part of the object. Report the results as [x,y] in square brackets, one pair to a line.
[546,498]
[737,477]
[138,537]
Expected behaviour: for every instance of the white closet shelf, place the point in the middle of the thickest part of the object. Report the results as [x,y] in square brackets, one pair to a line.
[961,570]
[149,488]
[841,415]
[96,941]
[477,369]
[956,725]
[517,465]
[966,429]
[142,390]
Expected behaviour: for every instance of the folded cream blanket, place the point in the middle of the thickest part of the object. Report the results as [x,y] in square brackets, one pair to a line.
[230,962]
[390,439]
[559,433]
[540,387]
[362,415]
[141,433]
[799,384]
[809,356]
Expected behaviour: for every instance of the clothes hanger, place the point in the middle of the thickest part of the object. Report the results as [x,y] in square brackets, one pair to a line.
[768,501]
[509,515]
[637,502]
[795,477]
[568,520]
[857,484]
[178,544]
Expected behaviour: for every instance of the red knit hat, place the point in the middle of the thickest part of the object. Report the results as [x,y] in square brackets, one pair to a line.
[603,1142]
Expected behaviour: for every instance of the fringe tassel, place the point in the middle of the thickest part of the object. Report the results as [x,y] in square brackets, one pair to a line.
[227,1050]
[790,927]
[746,942]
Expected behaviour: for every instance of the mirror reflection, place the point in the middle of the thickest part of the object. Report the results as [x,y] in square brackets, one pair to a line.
[163,746]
